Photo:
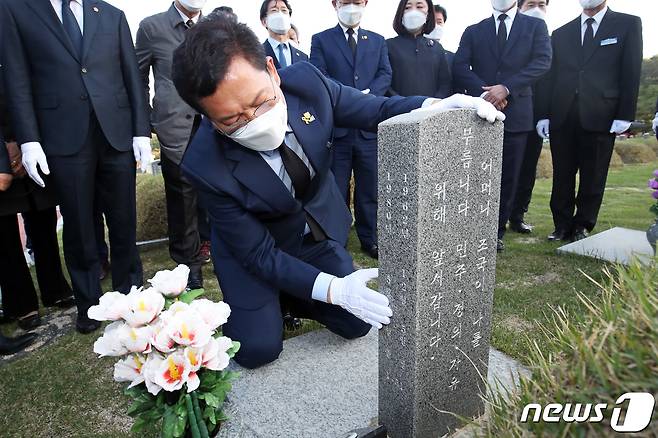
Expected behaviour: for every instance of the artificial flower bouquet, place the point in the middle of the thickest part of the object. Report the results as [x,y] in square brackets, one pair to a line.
[174,354]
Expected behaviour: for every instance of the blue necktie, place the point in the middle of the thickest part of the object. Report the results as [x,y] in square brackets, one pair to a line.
[71,26]
[282,57]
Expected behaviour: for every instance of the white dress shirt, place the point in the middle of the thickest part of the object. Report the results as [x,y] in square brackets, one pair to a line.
[286,50]
[185,18]
[509,21]
[76,7]
[595,26]
[356,32]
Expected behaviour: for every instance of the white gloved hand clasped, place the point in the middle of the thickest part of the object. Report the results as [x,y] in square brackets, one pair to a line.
[352,294]
[544,128]
[34,159]
[143,152]
[620,126]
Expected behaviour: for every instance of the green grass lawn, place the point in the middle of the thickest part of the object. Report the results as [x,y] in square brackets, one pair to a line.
[64,390]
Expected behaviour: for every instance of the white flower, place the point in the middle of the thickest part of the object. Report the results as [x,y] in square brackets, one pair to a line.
[111,307]
[175,309]
[110,343]
[136,339]
[143,306]
[186,328]
[214,356]
[160,337]
[193,358]
[172,373]
[130,370]
[149,371]
[213,314]
[171,283]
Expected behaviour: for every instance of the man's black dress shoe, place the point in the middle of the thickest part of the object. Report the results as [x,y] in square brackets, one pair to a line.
[14,345]
[500,246]
[85,325]
[579,233]
[63,303]
[29,322]
[520,227]
[372,251]
[195,279]
[559,235]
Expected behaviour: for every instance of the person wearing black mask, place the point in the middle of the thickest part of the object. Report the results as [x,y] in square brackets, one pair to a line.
[419,64]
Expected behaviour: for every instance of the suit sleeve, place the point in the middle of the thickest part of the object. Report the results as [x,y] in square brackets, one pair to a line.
[317,55]
[631,67]
[144,54]
[544,89]
[18,86]
[540,63]
[5,166]
[464,78]
[382,81]
[445,78]
[253,247]
[133,81]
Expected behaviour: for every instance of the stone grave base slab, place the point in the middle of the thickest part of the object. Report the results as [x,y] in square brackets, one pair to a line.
[617,245]
[322,386]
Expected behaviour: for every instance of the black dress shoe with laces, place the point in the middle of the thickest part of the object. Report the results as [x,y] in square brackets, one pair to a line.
[372,251]
[85,325]
[559,235]
[14,345]
[579,233]
[520,227]
[195,279]
[500,246]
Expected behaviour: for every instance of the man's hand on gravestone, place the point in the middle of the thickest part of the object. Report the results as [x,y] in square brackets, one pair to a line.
[352,294]
[484,109]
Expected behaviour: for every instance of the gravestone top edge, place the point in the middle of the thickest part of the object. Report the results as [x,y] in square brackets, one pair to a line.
[427,115]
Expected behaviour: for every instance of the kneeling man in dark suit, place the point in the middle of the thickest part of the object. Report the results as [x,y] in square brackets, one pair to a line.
[261,160]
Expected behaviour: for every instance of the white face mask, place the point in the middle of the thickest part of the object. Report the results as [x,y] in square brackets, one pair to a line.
[436,34]
[193,5]
[413,20]
[535,12]
[266,132]
[502,5]
[590,4]
[278,23]
[350,15]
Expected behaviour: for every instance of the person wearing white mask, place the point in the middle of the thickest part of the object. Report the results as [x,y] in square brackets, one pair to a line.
[588,98]
[534,144]
[262,163]
[275,16]
[419,64]
[356,57]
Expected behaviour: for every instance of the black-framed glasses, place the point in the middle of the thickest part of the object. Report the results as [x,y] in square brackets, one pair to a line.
[239,126]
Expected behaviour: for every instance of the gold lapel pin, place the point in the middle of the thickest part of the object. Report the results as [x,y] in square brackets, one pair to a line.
[95,9]
[308,118]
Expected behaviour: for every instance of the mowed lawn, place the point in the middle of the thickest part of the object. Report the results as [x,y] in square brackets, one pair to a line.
[63,390]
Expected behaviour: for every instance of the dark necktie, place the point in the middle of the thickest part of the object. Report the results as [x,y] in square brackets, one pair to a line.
[71,26]
[282,56]
[189,23]
[588,40]
[351,40]
[297,170]
[502,34]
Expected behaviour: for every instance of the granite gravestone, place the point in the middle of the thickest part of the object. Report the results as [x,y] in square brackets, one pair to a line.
[439,190]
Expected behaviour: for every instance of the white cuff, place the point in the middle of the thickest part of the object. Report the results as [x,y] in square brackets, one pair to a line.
[321,287]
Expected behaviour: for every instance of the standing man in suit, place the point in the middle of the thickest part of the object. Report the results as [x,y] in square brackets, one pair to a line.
[500,59]
[590,97]
[275,17]
[173,121]
[358,58]
[261,163]
[655,121]
[534,144]
[80,114]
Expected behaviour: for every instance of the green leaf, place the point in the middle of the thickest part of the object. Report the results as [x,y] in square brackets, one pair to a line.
[169,422]
[212,400]
[234,349]
[190,296]
[209,414]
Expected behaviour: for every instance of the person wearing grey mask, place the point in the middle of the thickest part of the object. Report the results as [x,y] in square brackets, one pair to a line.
[275,16]
[517,223]
[588,98]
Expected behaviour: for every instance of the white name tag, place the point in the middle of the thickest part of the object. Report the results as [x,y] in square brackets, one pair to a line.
[609,42]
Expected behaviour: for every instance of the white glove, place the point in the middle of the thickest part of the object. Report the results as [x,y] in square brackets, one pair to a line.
[544,128]
[352,294]
[655,124]
[620,126]
[366,91]
[33,159]
[142,151]
[484,109]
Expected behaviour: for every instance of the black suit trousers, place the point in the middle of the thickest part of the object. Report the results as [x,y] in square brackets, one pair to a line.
[527,177]
[19,296]
[513,150]
[97,171]
[576,150]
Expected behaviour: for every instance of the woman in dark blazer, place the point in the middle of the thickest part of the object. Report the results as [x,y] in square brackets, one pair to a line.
[419,64]
[37,205]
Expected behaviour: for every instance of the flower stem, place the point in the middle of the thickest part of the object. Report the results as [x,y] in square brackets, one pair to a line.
[194,426]
[203,429]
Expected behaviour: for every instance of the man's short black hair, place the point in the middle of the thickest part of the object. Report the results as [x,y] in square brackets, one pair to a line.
[522,2]
[222,11]
[266,5]
[441,10]
[430,23]
[201,62]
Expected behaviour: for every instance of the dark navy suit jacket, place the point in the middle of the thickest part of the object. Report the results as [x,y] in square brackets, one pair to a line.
[371,69]
[257,226]
[296,55]
[526,58]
